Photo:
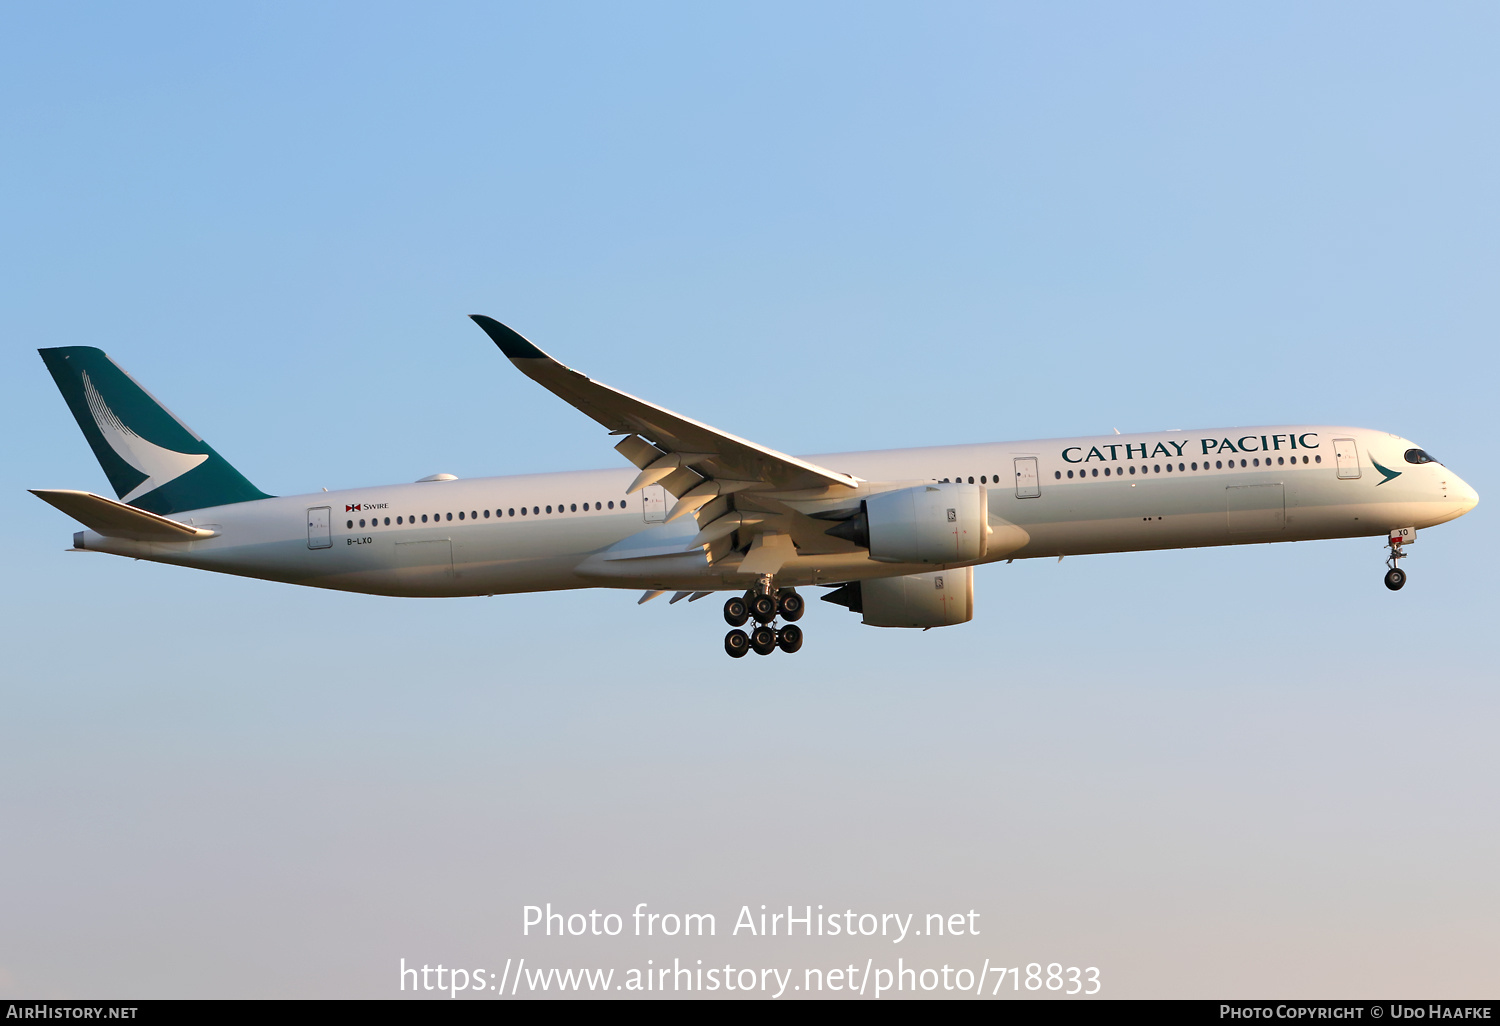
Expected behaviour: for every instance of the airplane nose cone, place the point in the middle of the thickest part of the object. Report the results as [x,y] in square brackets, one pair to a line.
[1467,498]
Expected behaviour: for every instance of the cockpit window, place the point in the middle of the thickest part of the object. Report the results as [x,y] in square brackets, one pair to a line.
[1418,456]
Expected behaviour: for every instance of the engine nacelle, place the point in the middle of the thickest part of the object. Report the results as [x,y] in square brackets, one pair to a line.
[935,523]
[938,599]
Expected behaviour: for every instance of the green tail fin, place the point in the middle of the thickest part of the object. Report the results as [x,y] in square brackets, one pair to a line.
[154,461]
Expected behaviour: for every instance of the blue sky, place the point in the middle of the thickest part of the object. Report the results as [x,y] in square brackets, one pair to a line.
[831,227]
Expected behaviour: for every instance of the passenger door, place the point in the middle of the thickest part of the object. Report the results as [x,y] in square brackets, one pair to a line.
[1347,456]
[1028,484]
[319,533]
[654,504]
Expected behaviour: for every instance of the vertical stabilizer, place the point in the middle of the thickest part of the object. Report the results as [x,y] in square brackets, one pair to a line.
[154,461]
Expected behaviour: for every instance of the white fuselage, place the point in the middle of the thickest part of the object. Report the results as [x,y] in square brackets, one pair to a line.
[1116,493]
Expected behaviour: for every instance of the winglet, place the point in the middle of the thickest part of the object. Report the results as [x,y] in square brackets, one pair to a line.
[510,341]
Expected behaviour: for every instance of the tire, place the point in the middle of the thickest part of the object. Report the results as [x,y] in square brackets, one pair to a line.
[789,638]
[763,608]
[1395,578]
[736,643]
[763,640]
[791,607]
[736,612]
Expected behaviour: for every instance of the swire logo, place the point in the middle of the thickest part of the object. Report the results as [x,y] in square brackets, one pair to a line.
[351,508]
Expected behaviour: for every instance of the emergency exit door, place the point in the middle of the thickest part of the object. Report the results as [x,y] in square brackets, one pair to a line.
[318,533]
[1028,485]
[654,504]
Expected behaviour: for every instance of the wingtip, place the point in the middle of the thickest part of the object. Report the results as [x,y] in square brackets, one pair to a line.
[511,342]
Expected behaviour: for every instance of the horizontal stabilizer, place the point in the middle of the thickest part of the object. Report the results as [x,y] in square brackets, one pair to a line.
[117,520]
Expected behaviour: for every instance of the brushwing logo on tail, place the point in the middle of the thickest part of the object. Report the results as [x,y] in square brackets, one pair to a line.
[159,464]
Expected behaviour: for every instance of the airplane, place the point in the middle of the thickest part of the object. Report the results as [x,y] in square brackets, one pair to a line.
[895,534]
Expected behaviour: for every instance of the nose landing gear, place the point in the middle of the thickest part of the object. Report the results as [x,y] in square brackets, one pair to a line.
[764,605]
[1395,577]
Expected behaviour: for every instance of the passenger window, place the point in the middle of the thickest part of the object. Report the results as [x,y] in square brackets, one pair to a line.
[424,518]
[1070,475]
[971,479]
[1096,471]
[350,525]
[573,508]
[387,521]
[450,516]
[1058,474]
[622,503]
[1132,468]
[523,511]
[460,514]
[474,514]
[511,512]
[982,480]
[1318,459]
[1218,464]
[611,504]
[1106,471]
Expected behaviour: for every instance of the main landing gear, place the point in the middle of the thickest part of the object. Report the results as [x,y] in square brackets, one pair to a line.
[1395,577]
[764,606]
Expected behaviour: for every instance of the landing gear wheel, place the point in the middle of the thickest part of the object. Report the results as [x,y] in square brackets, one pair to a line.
[763,640]
[1395,578]
[789,638]
[763,608]
[736,612]
[791,606]
[736,643]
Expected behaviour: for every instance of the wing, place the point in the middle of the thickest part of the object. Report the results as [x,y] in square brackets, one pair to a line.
[731,486]
[713,453]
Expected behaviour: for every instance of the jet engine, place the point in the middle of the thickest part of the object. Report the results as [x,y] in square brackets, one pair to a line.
[938,599]
[935,523]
